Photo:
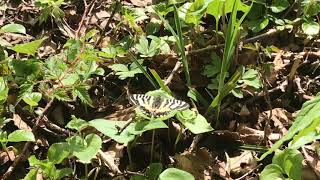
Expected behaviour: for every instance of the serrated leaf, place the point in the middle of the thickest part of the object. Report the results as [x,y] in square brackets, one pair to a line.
[70,79]
[21,135]
[77,124]
[83,94]
[29,48]
[61,95]
[119,67]
[13,28]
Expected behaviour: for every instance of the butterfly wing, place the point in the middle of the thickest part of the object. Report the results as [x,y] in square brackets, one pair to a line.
[175,104]
[155,106]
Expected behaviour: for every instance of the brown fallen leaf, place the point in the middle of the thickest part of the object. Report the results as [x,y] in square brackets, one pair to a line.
[7,155]
[199,163]
[280,118]
[20,123]
[239,165]
[141,3]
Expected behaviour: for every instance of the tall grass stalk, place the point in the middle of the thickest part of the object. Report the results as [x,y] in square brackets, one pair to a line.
[230,45]
[179,41]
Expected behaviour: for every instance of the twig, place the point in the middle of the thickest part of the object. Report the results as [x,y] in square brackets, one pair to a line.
[108,22]
[310,164]
[26,146]
[174,70]
[253,39]
[109,162]
[84,15]
[246,174]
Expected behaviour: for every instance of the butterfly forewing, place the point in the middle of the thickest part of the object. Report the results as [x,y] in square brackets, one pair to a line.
[156,106]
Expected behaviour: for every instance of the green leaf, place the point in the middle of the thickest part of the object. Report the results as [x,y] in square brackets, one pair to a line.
[83,94]
[3,90]
[160,82]
[21,135]
[290,161]
[148,51]
[77,124]
[258,24]
[3,136]
[140,127]
[196,123]
[213,68]
[55,67]
[29,48]
[13,28]
[112,51]
[308,113]
[61,95]
[279,5]
[85,149]
[60,173]
[310,28]
[196,11]
[32,99]
[272,171]
[70,79]
[175,174]
[111,128]
[32,175]
[119,67]
[307,135]
[237,93]
[27,70]
[124,72]
[196,96]
[154,170]
[58,152]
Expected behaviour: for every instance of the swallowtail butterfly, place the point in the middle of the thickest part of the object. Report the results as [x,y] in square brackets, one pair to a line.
[157,106]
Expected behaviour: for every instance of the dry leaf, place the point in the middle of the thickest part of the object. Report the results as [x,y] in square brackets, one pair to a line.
[20,123]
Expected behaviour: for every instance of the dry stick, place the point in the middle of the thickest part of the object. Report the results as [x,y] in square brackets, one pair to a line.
[306,155]
[26,146]
[253,39]
[85,13]
[246,174]
[108,22]
[174,70]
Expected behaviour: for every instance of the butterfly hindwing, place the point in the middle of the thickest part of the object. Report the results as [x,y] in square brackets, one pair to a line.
[156,106]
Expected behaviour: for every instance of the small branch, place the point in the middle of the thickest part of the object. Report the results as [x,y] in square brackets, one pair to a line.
[26,146]
[248,173]
[108,23]
[311,164]
[253,39]
[174,70]
[109,162]
[86,12]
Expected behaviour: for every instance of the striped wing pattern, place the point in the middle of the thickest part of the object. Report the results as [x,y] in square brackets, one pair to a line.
[157,106]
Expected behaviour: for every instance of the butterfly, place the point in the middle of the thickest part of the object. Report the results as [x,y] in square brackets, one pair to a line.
[157,106]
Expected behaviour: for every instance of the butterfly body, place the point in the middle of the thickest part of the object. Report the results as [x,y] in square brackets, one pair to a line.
[157,106]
